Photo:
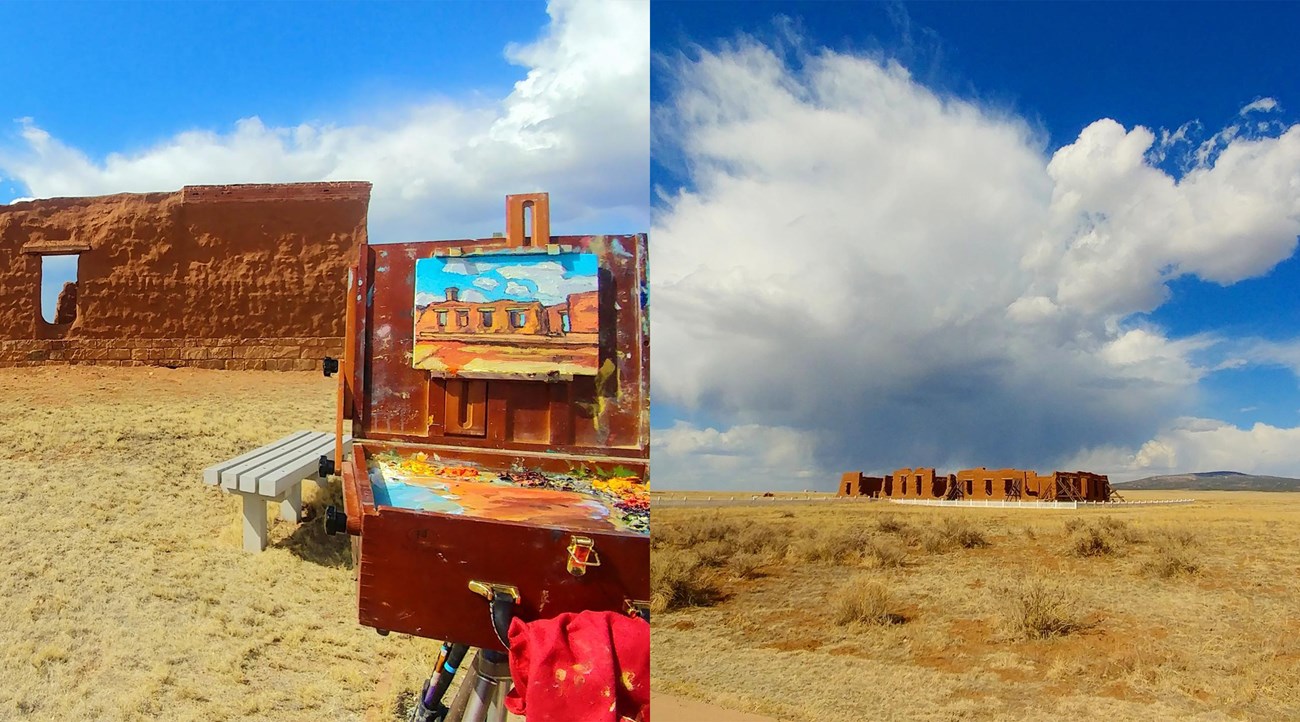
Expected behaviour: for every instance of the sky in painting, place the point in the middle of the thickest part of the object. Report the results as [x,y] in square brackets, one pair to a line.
[548,279]
[444,107]
[1040,235]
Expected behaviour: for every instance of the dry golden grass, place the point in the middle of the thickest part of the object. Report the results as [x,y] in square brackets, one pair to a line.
[865,600]
[1193,612]
[127,595]
[1038,609]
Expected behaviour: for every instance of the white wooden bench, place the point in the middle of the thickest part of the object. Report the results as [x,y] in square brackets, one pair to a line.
[273,473]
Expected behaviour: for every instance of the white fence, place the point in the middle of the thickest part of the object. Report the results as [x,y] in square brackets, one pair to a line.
[1012,504]
[745,500]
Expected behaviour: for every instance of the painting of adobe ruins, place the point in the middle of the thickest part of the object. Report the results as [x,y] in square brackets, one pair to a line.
[507,315]
[228,277]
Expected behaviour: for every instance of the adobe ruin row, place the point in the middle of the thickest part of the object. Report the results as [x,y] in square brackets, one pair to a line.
[978,485]
[223,277]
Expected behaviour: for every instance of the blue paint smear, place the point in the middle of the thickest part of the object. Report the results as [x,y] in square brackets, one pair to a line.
[413,496]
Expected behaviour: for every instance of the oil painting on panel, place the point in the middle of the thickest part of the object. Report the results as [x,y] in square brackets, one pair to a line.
[507,315]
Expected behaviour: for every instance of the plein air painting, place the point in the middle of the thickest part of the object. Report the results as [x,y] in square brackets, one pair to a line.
[507,315]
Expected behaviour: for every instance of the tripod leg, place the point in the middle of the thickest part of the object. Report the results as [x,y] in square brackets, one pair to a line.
[491,682]
[430,707]
[456,713]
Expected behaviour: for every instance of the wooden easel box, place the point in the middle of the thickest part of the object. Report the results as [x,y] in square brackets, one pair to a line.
[414,567]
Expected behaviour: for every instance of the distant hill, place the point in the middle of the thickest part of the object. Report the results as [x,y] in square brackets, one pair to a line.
[1213,481]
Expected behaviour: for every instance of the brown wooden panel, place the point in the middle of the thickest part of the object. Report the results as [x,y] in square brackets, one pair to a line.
[606,415]
[528,414]
[465,407]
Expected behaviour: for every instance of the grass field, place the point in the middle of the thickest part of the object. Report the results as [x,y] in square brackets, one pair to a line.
[880,611]
[126,594]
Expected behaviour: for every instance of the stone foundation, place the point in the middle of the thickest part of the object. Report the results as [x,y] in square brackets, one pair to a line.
[239,354]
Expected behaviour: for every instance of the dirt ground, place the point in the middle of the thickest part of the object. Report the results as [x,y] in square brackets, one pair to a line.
[880,611]
[126,594]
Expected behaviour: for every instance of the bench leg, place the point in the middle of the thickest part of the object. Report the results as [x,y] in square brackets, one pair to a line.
[254,523]
[291,507]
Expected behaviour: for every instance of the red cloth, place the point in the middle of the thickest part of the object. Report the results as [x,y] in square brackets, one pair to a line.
[583,667]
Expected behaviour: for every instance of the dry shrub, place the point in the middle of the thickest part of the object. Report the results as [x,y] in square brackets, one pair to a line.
[1100,537]
[1171,562]
[963,533]
[1038,610]
[678,579]
[1177,538]
[883,555]
[1091,542]
[829,545]
[1176,554]
[689,533]
[713,553]
[1119,529]
[953,533]
[891,525]
[762,539]
[748,565]
[864,600]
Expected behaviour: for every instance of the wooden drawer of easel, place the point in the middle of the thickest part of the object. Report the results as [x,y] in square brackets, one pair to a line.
[415,565]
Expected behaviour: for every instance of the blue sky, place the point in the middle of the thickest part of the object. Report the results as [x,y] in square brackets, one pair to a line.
[549,279]
[445,107]
[1181,349]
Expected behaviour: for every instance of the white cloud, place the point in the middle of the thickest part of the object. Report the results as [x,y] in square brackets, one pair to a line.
[487,284]
[910,278]
[553,286]
[471,295]
[1194,444]
[514,288]
[748,457]
[577,125]
[1263,105]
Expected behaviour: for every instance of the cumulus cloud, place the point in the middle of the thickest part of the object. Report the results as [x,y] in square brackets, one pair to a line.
[910,278]
[576,125]
[1195,444]
[690,457]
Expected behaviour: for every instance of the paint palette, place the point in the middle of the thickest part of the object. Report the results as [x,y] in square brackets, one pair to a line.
[571,501]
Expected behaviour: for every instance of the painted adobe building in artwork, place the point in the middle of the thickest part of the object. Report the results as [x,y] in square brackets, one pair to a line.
[235,277]
[978,485]
[508,313]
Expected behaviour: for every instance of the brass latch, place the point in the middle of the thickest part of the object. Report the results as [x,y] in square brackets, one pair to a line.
[487,590]
[582,554]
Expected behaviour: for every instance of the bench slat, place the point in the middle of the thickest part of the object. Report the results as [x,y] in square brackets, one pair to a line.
[274,482]
[230,475]
[212,474]
[307,455]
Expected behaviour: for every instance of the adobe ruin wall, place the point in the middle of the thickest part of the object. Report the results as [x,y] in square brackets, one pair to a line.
[229,277]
